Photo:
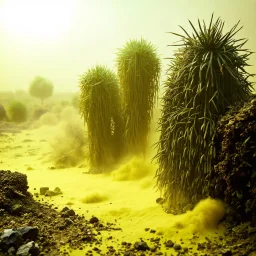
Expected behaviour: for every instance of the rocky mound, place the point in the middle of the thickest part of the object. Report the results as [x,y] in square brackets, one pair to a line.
[14,198]
[30,228]
[233,178]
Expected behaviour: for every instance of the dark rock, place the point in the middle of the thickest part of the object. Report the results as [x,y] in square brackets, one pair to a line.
[50,193]
[64,209]
[10,238]
[68,221]
[153,231]
[43,190]
[233,178]
[29,232]
[141,246]
[177,247]
[16,209]
[169,243]
[71,212]
[14,180]
[160,200]
[153,249]
[57,190]
[66,212]
[61,227]
[185,249]
[86,238]
[155,240]
[94,220]
[28,249]
[226,252]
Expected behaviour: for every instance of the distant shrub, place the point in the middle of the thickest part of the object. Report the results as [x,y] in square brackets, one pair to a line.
[41,88]
[3,115]
[18,112]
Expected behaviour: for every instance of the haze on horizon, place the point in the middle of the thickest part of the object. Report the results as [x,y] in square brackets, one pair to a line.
[61,39]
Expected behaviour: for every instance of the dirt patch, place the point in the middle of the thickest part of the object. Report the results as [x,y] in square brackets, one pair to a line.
[56,229]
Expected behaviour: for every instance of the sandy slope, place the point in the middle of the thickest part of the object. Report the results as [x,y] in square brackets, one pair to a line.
[131,202]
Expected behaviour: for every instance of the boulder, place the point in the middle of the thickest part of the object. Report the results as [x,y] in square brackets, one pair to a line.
[10,238]
[28,249]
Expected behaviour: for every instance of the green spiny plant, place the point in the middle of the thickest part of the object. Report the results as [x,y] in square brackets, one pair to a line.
[100,108]
[41,88]
[205,77]
[3,116]
[18,112]
[138,71]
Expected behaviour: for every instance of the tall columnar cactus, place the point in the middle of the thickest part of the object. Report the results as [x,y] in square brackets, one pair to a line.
[100,108]
[206,76]
[138,72]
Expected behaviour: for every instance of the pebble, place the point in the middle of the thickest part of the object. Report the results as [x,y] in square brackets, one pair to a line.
[177,247]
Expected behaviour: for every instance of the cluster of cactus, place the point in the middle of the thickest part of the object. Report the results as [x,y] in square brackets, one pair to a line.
[118,108]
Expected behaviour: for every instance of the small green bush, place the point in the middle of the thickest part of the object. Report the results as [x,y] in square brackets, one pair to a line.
[41,88]
[139,69]
[18,112]
[3,115]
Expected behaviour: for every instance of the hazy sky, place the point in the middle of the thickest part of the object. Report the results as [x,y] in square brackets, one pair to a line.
[60,39]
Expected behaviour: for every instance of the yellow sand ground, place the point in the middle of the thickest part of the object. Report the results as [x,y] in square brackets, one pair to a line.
[124,196]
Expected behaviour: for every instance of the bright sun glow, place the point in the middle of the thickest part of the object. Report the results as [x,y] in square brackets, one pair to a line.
[36,19]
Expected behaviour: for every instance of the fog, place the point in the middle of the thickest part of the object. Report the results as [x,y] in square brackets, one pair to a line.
[48,140]
[59,40]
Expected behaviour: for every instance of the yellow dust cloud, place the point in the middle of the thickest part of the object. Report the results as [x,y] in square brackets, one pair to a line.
[136,169]
[205,216]
[94,198]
